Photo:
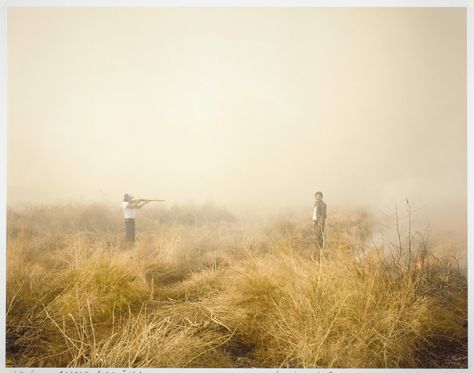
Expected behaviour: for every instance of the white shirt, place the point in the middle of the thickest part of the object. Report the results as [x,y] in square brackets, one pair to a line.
[127,212]
[315,213]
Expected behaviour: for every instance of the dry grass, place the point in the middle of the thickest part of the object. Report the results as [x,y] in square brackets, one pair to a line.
[223,294]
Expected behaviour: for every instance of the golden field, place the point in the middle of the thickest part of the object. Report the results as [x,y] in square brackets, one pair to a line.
[203,288]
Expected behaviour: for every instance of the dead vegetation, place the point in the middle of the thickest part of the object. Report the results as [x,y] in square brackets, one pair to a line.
[213,292]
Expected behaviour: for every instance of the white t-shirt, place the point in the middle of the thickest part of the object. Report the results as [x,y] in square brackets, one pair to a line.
[315,213]
[128,213]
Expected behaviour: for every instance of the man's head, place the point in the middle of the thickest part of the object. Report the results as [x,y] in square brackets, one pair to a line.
[318,196]
[127,197]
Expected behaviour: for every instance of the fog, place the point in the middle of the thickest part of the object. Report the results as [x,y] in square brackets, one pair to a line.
[240,107]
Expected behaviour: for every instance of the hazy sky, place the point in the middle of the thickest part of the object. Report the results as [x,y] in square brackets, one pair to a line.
[239,106]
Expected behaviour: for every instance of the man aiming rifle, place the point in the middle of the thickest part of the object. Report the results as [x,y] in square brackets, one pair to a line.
[129,205]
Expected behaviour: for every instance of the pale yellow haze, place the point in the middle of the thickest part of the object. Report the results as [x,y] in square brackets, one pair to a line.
[240,107]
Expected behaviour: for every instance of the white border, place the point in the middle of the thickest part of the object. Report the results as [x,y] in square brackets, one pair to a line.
[228,370]
[3,178]
[237,3]
[469,4]
[470,180]
[222,370]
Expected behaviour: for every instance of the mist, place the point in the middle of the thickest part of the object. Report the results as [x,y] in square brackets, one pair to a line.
[240,107]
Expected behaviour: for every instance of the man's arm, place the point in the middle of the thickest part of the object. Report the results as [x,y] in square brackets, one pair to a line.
[141,204]
[138,204]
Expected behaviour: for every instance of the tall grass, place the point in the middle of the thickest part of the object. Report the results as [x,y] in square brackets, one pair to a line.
[215,292]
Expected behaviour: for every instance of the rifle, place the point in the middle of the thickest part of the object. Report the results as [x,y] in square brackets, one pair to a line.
[152,200]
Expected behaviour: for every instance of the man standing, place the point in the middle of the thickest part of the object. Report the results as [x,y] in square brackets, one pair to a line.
[129,205]
[319,219]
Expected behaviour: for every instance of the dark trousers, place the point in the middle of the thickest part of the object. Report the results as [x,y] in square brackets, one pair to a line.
[130,230]
[318,229]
